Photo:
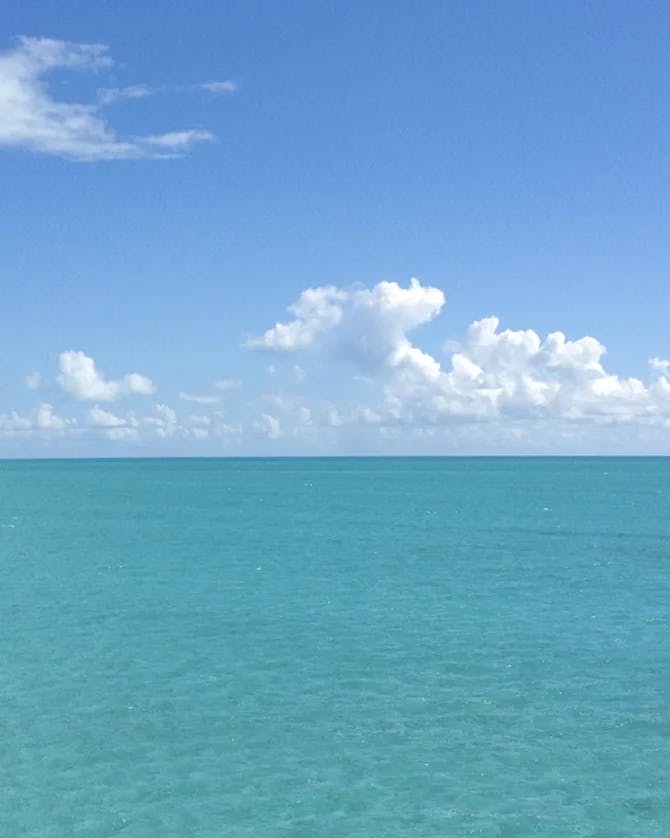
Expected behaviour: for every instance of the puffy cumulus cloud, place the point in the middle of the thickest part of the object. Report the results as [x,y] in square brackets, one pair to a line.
[160,426]
[517,373]
[268,426]
[80,378]
[369,326]
[42,421]
[163,421]
[317,311]
[491,373]
[112,426]
[31,118]
[660,366]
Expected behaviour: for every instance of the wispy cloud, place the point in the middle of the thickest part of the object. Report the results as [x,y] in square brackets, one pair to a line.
[204,399]
[217,86]
[108,95]
[228,384]
[177,140]
[32,119]
[34,381]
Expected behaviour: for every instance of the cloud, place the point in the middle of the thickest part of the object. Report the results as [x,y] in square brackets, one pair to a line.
[163,422]
[366,325]
[491,374]
[32,119]
[160,425]
[177,140]
[228,384]
[80,378]
[109,95]
[268,425]
[226,86]
[34,381]
[42,420]
[316,311]
[190,397]
[493,390]
[114,427]
[660,366]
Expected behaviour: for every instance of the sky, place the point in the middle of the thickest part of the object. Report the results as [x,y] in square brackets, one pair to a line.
[250,228]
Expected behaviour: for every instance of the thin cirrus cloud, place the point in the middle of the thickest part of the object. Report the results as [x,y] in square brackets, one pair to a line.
[199,399]
[226,86]
[34,381]
[32,119]
[80,378]
[228,384]
[109,95]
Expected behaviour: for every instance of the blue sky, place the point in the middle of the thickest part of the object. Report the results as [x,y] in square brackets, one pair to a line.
[168,194]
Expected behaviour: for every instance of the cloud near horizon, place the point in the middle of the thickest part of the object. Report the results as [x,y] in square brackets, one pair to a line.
[32,119]
[495,390]
[492,374]
[80,378]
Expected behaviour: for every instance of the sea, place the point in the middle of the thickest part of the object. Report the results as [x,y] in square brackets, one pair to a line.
[347,648]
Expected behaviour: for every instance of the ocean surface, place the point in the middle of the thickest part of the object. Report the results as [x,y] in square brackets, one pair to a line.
[335,647]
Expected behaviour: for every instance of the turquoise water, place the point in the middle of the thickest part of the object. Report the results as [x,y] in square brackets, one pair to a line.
[401,647]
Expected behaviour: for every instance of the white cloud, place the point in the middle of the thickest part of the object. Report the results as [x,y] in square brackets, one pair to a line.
[491,375]
[366,325]
[104,419]
[31,118]
[80,378]
[176,140]
[268,425]
[495,390]
[42,420]
[109,95]
[517,373]
[159,425]
[204,399]
[163,421]
[114,427]
[226,86]
[11,423]
[46,419]
[316,311]
[660,366]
